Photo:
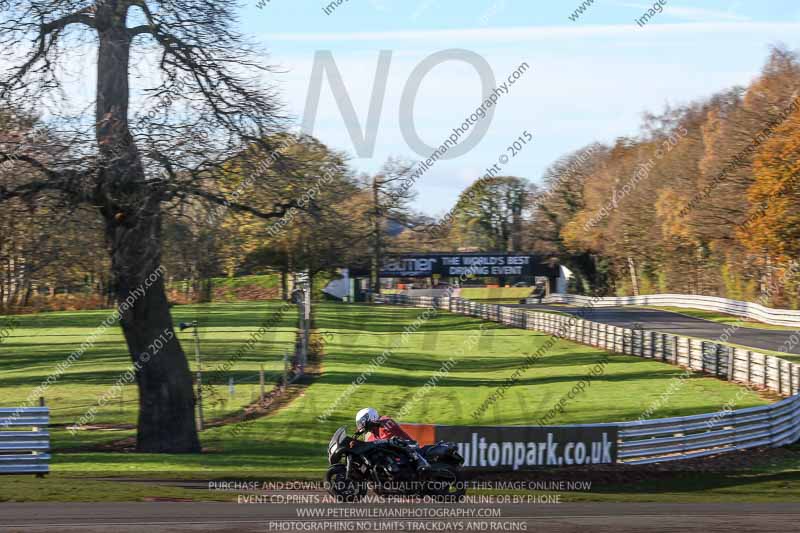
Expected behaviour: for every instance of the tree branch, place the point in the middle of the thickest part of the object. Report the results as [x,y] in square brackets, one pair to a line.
[28,190]
[81,17]
[46,40]
[65,182]
[35,163]
[144,29]
[279,212]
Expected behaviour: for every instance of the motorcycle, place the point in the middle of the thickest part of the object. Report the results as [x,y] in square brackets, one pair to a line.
[389,468]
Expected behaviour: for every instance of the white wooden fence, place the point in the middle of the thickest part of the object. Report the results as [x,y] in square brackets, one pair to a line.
[753,311]
[666,439]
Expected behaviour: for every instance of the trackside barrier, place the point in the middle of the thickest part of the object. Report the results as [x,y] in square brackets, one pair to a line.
[688,437]
[666,439]
[24,440]
[753,311]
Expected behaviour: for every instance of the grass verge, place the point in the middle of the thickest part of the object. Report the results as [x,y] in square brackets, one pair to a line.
[290,443]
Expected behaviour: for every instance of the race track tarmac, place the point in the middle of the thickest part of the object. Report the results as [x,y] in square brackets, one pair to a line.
[563,517]
[676,323]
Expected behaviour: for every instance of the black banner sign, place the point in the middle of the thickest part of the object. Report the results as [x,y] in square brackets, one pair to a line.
[455,265]
[517,448]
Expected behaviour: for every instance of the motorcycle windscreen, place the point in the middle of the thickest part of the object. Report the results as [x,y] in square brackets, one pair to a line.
[337,439]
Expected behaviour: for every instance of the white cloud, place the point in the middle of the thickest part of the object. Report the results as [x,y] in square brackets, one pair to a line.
[535,33]
[704,15]
[694,14]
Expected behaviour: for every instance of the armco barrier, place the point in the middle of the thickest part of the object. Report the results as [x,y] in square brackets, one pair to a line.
[780,317]
[666,439]
[24,440]
[687,437]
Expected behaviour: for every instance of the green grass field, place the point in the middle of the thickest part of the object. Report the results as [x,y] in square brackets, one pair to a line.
[499,293]
[291,443]
[267,281]
[43,341]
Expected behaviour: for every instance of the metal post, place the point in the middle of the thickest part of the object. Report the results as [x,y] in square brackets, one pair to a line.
[285,369]
[303,283]
[731,364]
[306,324]
[39,475]
[299,346]
[652,345]
[261,382]
[703,356]
[749,367]
[199,377]
[675,349]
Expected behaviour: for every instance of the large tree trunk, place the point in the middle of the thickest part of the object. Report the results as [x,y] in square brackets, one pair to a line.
[131,208]
[166,399]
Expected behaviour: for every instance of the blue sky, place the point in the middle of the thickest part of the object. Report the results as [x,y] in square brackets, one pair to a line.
[590,79]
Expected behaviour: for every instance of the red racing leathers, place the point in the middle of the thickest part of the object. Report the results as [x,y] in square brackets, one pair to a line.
[386,428]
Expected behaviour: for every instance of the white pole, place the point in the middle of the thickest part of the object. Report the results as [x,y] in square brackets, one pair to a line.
[306,324]
[199,379]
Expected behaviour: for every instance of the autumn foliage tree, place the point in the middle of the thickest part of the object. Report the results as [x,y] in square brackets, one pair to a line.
[715,212]
[318,235]
[772,225]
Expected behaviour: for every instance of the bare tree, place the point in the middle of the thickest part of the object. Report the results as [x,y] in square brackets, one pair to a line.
[392,189]
[207,102]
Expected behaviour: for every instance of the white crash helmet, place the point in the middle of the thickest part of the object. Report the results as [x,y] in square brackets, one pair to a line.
[366,416]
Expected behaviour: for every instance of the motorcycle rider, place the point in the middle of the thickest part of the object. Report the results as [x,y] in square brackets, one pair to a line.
[385,428]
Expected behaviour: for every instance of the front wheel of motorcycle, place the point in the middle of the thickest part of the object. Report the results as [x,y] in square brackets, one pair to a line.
[341,487]
[446,482]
